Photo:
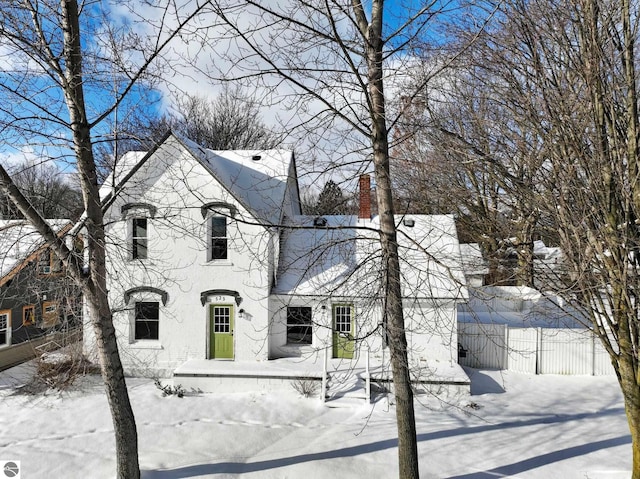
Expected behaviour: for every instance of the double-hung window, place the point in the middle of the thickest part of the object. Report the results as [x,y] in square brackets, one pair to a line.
[147,320]
[50,314]
[299,325]
[5,327]
[139,238]
[48,263]
[29,315]
[137,216]
[218,238]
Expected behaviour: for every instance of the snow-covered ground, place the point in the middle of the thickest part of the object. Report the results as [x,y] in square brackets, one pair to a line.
[512,426]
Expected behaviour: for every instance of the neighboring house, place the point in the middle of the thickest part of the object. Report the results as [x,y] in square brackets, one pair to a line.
[474,265]
[36,296]
[212,265]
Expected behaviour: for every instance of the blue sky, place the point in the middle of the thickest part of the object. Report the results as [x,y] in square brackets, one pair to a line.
[101,85]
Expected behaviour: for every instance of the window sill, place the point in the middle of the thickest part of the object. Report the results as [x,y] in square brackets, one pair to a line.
[146,344]
[140,260]
[298,345]
[218,262]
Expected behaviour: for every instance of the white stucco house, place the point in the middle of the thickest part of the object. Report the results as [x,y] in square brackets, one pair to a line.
[215,273]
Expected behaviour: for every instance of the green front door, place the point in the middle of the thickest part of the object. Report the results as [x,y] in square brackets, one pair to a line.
[221,340]
[343,331]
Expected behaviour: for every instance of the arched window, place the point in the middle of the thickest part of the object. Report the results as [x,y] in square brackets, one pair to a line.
[218,215]
[137,216]
[146,311]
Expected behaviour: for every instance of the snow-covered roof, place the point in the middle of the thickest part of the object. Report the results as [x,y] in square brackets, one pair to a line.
[18,239]
[541,251]
[473,262]
[518,306]
[256,178]
[343,257]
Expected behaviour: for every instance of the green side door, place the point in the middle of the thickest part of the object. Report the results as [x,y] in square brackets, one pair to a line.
[343,331]
[221,340]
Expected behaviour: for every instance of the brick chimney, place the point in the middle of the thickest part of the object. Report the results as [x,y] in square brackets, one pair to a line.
[365,197]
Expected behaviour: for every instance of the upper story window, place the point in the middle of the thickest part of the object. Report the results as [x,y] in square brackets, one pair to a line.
[217,215]
[139,238]
[48,263]
[137,215]
[218,238]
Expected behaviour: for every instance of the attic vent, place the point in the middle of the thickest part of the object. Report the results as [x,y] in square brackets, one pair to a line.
[256,157]
[319,222]
[409,223]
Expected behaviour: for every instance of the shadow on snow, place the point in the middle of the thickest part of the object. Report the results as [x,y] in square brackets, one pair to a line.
[510,469]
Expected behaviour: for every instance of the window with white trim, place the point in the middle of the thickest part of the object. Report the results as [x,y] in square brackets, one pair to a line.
[299,325]
[218,241]
[5,327]
[147,320]
[139,238]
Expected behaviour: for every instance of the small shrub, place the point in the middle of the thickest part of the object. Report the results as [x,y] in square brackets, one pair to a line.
[168,390]
[59,369]
[305,386]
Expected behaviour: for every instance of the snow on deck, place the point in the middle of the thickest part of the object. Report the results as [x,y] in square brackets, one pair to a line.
[430,372]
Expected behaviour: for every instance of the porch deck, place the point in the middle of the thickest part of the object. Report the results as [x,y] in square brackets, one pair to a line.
[237,376]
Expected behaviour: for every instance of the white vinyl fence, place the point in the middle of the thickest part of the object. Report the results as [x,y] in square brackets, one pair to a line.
[532,350]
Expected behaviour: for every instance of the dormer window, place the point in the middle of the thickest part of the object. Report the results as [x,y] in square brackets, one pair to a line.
[218,238]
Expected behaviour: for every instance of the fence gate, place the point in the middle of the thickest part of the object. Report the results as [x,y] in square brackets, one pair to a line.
[522,355]
[482,345]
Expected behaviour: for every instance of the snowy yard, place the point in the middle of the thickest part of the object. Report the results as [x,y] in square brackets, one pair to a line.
[513,426]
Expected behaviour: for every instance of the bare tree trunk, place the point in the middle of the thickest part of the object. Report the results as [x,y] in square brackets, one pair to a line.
[124,424]
[96,290]
[393,311]
[525,274]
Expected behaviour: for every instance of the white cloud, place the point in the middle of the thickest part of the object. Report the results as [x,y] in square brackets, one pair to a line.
[14,158]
